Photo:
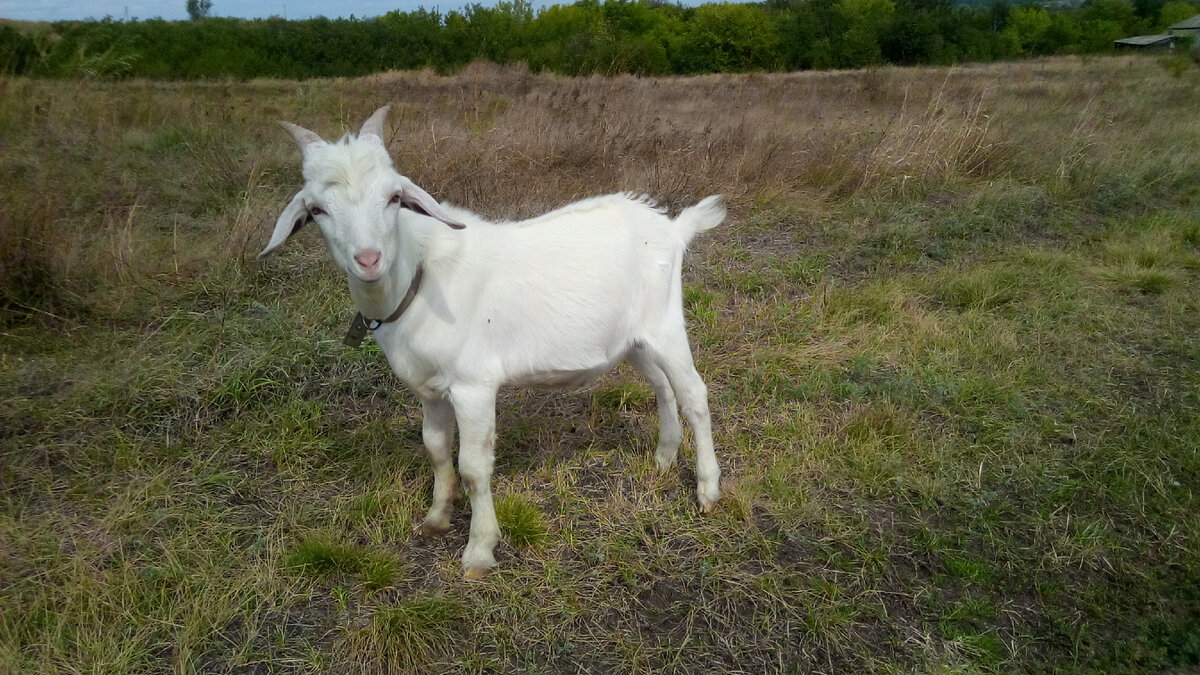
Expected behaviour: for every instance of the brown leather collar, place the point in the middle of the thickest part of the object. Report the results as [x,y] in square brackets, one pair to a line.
[413,287]
[360,325]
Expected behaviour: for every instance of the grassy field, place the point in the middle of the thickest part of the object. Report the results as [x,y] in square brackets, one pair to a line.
[951,332]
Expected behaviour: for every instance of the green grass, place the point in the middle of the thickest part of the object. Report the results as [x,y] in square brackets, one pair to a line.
[958,413]
[319,556]
[409,636]
[522,523]
[623,396]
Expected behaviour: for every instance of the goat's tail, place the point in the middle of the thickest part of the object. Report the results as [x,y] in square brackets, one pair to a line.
[705,215]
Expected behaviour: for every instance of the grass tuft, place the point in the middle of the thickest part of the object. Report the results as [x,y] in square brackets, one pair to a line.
[522,522]
[979,288]
[1148,280]
[623,396]
[411,636]
[319,556]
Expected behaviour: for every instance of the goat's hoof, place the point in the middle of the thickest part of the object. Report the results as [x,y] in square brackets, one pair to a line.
[476,573]
[429,528]
[664,463]
[708,504]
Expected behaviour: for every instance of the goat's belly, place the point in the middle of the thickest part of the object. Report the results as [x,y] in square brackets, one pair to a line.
[561,379]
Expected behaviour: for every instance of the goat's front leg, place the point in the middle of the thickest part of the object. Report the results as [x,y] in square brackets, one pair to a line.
[475,409]
[437,432]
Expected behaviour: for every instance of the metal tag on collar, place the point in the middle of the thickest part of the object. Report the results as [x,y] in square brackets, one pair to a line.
[374,324]
[358,331]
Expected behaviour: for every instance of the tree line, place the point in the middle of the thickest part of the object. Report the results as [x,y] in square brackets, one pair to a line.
[617,36]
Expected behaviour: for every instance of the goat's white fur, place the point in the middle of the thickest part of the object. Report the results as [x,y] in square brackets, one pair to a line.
[551,301]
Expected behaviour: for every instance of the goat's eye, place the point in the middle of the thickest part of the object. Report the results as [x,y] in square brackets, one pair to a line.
[394,200]
[317,211]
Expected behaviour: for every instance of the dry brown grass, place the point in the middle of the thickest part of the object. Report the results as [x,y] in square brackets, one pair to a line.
[512,144]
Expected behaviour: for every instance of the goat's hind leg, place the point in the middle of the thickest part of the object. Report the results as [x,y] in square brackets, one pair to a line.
[670,433]
[437,432]
[674,357]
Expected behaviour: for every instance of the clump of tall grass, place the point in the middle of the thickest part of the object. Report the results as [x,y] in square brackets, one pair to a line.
[409,637]
[948,138]
[522,522]
[30,268]
[319,555]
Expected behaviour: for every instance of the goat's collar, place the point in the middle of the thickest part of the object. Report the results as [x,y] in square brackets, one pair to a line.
[361,324]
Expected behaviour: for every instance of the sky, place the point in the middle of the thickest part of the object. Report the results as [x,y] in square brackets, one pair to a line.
[58,10]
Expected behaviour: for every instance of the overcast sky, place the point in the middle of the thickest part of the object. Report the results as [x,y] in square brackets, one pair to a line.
[55,10]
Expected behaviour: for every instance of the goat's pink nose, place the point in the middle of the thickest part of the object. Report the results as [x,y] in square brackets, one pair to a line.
[368,259]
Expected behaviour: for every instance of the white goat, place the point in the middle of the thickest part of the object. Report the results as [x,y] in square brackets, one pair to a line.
[462,310]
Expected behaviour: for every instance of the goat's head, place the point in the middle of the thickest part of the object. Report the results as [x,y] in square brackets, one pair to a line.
[355,197]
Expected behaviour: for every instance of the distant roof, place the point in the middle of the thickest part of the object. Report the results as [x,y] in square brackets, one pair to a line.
[1145,40]
[1188,24]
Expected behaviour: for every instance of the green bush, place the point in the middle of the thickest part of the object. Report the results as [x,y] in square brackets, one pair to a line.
[618,36]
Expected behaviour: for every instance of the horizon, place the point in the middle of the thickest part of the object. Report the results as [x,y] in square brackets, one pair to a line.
[176,10]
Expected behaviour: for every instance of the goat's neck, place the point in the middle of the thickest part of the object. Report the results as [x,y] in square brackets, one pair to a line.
[377,300]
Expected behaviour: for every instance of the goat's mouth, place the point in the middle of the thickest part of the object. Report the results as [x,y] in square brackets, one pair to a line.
[357,274]
[368,274]
[369,278]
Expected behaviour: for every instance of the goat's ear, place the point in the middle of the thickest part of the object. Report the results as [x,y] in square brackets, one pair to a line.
[418,200]
[294,217]
[372,129]
[305,139]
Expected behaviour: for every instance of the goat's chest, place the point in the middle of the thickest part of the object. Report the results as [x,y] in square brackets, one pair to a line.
[421,370]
